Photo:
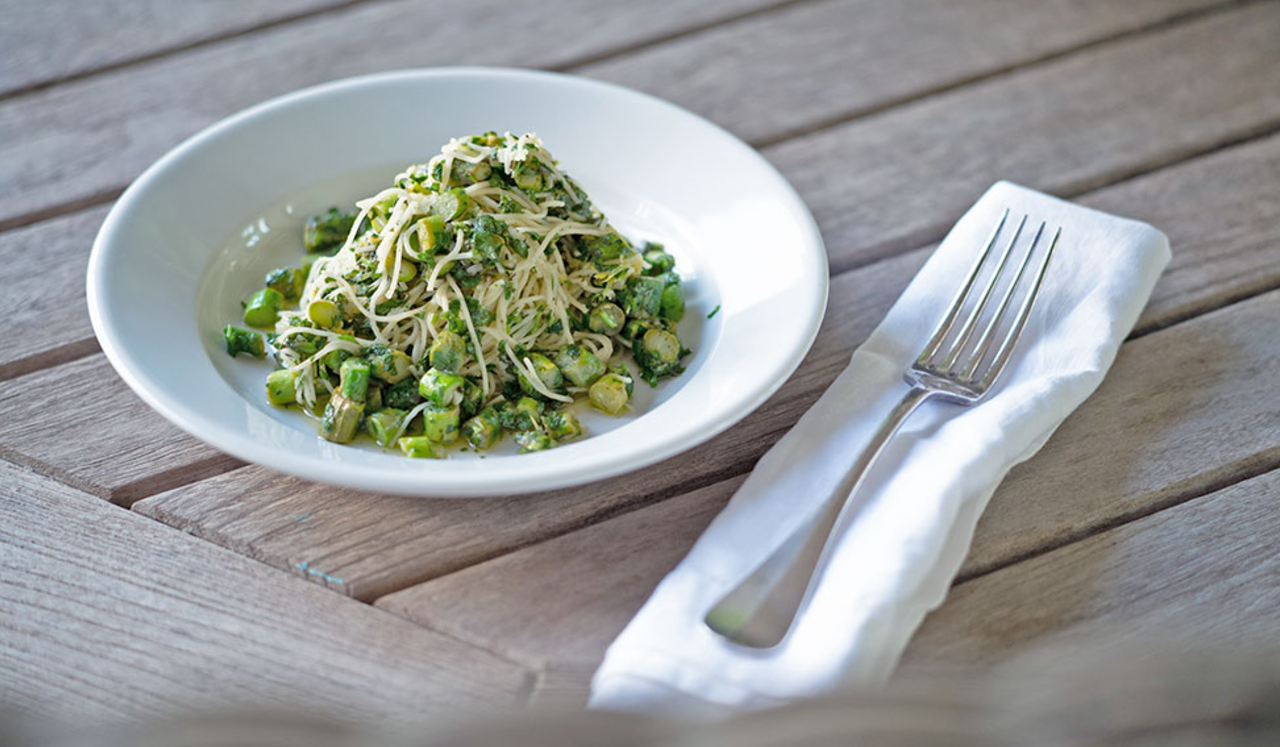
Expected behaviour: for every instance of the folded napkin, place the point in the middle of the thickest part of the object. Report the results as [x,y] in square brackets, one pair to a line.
[918,506]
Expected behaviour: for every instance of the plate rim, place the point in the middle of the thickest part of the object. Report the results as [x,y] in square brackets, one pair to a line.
[236,444]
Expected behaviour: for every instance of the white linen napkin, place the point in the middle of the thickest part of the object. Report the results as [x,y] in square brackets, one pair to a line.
[896,558]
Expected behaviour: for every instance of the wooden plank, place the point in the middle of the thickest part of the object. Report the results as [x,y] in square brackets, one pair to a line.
[79,423]
[1222,215]
[1184,400]
[397,542]
[55,305]
[796,71]
[897,180]
[42,269]
[1204,570]
[110,616]
[559,604]
[51,41]
[81,142]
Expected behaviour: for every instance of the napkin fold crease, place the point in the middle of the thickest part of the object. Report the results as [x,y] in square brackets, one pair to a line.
[919,505]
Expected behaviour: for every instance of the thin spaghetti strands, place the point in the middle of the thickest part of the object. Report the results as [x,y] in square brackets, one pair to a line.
[482,293]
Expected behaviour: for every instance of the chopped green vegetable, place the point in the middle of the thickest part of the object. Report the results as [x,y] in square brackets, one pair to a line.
[384,424]
[441,389]
[341,418]
[389,365]
[484,429]
[280,387]
[448,352]
[562,425]
[440,424]
[322,313]
[658,354]
[548,374]
[328,230]
[242,341]
[451,205]
[658,260]
[534,441]
[610,394]
[419,447]
[714,311]
[642,297]
[373,398]
[607,319]
[334,358]
[402,395]
[524,415]
[263,308]
[288,281]
[354,374]
[579,365]
[671,306]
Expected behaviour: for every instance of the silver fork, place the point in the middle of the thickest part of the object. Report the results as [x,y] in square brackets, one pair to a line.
[761,610]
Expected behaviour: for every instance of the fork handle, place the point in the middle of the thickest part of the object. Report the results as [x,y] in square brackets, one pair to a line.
[761,610]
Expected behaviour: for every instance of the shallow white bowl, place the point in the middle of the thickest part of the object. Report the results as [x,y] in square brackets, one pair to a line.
[194,234]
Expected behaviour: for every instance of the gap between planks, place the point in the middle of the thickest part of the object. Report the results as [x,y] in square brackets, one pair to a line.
[1179,19]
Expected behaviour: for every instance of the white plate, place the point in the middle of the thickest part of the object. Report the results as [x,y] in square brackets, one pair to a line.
[195,233]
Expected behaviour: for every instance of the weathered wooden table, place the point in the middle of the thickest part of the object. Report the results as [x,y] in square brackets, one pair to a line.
[142,571]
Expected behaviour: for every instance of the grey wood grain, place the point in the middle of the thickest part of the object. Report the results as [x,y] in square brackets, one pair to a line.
[83,141]
[109,616]
[897,180]
[1204,570]
[54,39]
[79,423]
[378,544]
[1182,401]
[42,271]
[795,71]
[559,604]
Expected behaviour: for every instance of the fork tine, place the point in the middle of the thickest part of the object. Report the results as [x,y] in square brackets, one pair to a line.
[940,333]
[1006,347]
[984,341]
[966,330]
